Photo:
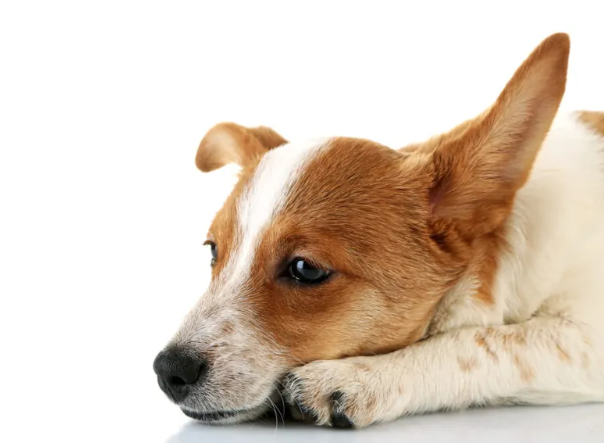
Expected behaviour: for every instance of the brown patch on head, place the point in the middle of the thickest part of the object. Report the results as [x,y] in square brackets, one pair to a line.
[224,228]
[594,120]
[527,374]
[387,274]
[466,365]
[232,143]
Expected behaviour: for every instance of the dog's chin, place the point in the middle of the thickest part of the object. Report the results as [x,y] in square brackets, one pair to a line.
[226,416]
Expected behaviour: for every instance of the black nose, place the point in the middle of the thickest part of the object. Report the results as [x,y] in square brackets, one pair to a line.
[177,370]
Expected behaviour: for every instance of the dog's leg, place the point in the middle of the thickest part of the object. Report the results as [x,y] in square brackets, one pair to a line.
[542,361]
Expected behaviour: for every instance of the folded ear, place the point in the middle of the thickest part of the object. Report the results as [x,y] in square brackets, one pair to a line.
[478,168]
[232,143]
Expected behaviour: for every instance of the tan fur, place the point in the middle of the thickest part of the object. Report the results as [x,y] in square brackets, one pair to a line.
[585,362]
[527,374]
[513,340]
[466,365]
[481,341]
[593,119]
[232,143]
[563,354]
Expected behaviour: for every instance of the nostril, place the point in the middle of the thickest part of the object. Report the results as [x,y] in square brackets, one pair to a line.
[176,381]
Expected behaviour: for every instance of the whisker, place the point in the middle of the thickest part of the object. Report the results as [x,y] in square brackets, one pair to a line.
[282,402]
[272,406]
[294,399]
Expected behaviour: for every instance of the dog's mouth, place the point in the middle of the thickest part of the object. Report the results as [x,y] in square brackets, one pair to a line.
[207,417]
[225,416]
[232,416]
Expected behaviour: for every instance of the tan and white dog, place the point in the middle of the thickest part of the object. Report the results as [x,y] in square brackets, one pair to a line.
[366,283]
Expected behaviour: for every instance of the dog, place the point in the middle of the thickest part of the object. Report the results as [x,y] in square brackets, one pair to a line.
[361,283]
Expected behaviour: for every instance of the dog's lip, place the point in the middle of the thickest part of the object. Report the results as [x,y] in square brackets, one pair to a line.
[215,415]
[223,415]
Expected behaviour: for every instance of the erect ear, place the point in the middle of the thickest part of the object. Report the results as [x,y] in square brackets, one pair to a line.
[478,168]
[232,143]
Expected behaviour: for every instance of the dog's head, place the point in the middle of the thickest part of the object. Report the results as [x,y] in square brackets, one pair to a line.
[341,247]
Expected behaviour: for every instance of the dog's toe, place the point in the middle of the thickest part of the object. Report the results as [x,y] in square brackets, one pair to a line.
[338,412]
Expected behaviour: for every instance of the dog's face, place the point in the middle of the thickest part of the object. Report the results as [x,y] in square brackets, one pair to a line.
[298,251]
[343,247]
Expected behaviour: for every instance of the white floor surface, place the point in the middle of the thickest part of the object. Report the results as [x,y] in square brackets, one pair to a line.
[510,424]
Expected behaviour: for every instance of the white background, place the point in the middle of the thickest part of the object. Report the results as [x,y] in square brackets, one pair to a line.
[103,214]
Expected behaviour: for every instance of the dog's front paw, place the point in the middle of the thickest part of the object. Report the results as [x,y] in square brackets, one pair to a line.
[339,393]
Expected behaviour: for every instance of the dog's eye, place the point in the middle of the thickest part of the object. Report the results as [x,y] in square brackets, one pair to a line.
[305,272]
[213,250]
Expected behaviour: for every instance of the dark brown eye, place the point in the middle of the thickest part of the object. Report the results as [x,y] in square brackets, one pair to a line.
[305,272]
[214,252]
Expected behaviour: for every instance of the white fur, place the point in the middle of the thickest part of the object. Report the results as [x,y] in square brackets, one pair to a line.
[264,197]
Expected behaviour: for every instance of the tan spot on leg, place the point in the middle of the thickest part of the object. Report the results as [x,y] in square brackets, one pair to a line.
[466,365]
[526,373]
[363,367]
[481,340]
[513,339]
[593,119]
[507,339]
[520,338]
[490,331]
[585,362]
[371,403]
[401,388]
[562,354]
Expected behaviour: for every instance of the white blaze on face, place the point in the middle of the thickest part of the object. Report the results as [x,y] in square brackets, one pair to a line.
[263,198]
